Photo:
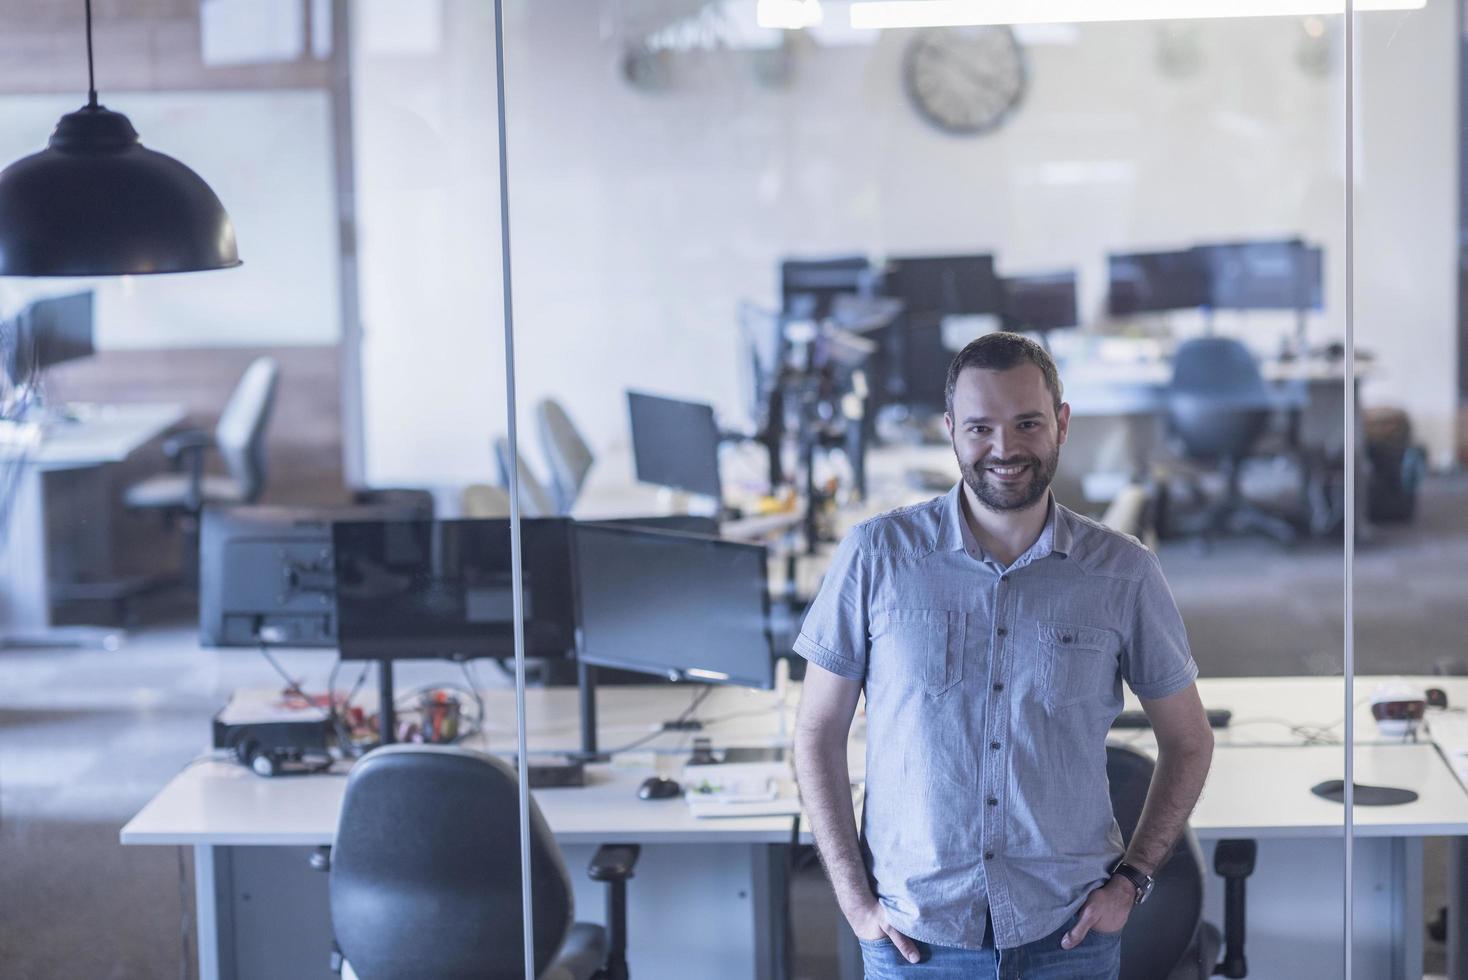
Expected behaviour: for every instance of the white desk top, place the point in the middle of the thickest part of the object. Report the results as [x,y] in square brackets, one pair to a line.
[1259,784]
[102,434]
[1260,791]
[222,803]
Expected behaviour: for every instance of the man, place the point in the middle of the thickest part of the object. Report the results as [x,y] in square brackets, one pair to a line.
[991,629]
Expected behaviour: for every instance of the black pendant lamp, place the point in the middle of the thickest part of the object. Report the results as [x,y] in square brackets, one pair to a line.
[95,202]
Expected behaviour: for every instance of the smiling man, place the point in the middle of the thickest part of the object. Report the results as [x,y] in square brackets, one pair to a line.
[991,630]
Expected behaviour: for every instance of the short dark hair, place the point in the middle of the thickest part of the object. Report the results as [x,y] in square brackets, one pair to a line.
[1001,351]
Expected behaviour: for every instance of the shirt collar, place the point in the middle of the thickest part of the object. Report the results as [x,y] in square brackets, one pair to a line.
[954,534]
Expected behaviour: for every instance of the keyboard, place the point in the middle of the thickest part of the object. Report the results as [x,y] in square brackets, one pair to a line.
[1217,718]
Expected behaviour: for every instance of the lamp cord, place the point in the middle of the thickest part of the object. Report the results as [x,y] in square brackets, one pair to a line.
[91,75]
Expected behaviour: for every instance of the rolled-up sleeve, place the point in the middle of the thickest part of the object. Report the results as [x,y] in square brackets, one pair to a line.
[1157,661]
[834,634]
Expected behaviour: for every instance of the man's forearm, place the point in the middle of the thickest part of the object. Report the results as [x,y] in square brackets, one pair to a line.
[1176,785]
[825,795]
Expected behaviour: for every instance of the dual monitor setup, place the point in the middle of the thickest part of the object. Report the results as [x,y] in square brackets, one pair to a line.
[643,596]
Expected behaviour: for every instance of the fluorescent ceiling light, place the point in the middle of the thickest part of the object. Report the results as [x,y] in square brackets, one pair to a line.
[878,14]
[789,15]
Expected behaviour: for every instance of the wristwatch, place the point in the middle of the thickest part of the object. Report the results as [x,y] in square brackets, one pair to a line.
[1141,881]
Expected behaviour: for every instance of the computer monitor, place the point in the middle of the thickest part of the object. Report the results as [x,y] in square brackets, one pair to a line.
[443,589]
[679,523]
[925,362]
[675,443]
[1262,275]
[266,575]
[676,605]
[944,284]
[1040,302]
[1154,282]
[48,332]
[809,286]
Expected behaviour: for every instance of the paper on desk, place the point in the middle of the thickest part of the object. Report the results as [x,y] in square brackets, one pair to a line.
[784,803]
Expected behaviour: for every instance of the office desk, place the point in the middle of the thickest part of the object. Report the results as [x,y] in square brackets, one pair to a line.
[60,474]
[707,899]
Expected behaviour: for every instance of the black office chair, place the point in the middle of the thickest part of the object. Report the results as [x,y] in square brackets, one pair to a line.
[1218,407]
[1166,937]
[425,876]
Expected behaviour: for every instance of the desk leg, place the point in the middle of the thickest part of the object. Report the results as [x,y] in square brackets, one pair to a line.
[213,912]
[25,595]
[1458,908]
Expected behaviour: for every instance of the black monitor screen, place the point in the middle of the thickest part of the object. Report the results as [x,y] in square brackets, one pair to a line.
[675,443]
[407,589]
[674,604]
[1150,282]
[1043,302]
[1272,275]
[926,360]
[946,285]
[48,332]
[808,286]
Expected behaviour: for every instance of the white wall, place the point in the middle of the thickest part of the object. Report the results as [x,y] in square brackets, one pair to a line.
[267,154]
[641,219]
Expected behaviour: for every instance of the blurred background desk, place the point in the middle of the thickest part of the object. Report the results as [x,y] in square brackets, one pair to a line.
[58,529]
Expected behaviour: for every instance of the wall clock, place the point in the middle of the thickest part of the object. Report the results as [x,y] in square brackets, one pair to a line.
[965,80]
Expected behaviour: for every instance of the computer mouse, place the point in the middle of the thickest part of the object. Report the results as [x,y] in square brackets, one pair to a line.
[658,788]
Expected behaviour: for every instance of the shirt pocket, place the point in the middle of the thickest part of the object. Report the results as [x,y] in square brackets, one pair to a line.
[929,642]
[1079,663]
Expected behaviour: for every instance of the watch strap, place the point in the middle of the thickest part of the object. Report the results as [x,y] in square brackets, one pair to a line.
[1140,880]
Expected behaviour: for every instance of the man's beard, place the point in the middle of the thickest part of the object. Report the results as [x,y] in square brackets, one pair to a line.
[997,496]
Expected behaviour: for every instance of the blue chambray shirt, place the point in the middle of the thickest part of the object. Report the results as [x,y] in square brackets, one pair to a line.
[989,694]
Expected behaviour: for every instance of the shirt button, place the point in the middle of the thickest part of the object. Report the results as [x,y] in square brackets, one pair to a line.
[1065,638]
[1002,631]
[993,801]
[1004,578]
[999,687]
[993,745]
[988,855]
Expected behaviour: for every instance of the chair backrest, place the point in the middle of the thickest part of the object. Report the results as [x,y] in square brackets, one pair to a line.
[425,869]
[569,456]
[1217,403]
[240,434]
[1162,929]
[535,499]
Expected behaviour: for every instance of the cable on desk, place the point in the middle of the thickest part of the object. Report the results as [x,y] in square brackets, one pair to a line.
[663,729]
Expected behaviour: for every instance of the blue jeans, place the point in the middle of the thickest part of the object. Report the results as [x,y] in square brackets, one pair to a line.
[1098,957]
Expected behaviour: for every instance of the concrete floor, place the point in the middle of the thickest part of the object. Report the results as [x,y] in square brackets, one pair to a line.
[86,737]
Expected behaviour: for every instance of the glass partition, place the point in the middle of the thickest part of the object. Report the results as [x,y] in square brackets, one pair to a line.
[1409,532]
[748,241]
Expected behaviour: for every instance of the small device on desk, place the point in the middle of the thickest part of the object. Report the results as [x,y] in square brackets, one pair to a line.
[272,734]
[556,772]
[1217,718]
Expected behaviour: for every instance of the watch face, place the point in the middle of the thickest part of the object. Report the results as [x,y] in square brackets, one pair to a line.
[965,80]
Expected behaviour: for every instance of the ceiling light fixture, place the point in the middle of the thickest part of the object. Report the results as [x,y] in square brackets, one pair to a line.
[880,14]
[96,202]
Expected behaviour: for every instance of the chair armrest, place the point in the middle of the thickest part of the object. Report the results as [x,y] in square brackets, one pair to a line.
[613,862]
[182,442]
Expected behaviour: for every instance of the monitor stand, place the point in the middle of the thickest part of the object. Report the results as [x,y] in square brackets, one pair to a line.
[586,697]
[386,715]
